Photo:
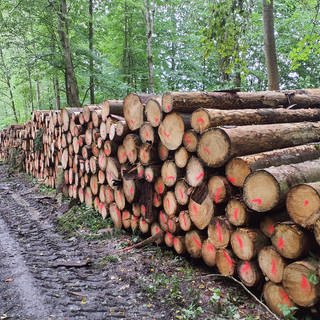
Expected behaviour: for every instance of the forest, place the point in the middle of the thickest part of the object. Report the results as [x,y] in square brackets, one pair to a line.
[57,53]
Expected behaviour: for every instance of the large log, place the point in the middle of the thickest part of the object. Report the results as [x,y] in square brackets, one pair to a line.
[203,119]
[218,145]
[303,203]
[266,189]
[238,168]
[190,101]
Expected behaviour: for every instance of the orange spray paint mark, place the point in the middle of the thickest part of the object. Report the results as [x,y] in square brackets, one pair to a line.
[228,258]
[217,195]
[206,150]
[236,213]
[304,284]
[219,231]
[210,247]
[306,202]
[231,179]
[246,267]
[257,201]
[200,120]
[270,229]
[273,267]
[197,242]
[200,176]
[280,243]
[284,296]
[239,240]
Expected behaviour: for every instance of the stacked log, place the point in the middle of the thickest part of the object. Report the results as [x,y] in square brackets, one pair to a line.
[232,178]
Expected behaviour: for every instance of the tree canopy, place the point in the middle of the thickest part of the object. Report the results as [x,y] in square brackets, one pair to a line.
[117,46]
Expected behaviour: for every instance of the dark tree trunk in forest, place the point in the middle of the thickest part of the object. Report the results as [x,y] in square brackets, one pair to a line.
[270,45]
[72,91]
[38,96]
[91,51]
[57,92]
[7,80]
[30,87]
[149,16]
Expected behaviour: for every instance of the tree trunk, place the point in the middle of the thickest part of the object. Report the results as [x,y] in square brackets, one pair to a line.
[270,45]
[218,145]
[149,17]
[30,88]
[38,93]
[8,82]
[203,119]
[72,91]
[56,89]
[91,71]
[237,169]
[266,189]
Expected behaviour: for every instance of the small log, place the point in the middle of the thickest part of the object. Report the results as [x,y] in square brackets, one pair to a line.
[153,111]
[181,157]
[156,200]
[266,189]
[120,199]
[155,229]
[94,185]
[225,262]
[179,244]
[152,172]
[193,242]
[159,186]
[133,109]
[218,145]
[238,213]
[182,192]
[126,219]
[271,263]
[115,215]
[134,223]
[302,283]
[168,239]
[109,194]
[143,225]
[129,189]
[208,253]
[268,222]
[171,131]
[131,144]
[122,154]
[163,152]
[237,169]
[276,298]
[219,189]
[249,273]
[185,221]
[170,173]
[290,240]
[170,204]
[163,220]
[195,172]
[246,243]
[190,140]
[147,154]
[201,214]
[219,232]
[303,203]
[146,133]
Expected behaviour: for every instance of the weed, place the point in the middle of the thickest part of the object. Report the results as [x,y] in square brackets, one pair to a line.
[192,312]
[313,278]
[82,220]
[288,312]
[108,259]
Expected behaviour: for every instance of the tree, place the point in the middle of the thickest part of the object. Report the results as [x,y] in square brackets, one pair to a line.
[91,82]
[72,91]
[270,45]
[149,17]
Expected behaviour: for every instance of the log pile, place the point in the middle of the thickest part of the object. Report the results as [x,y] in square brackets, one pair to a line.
[232,178]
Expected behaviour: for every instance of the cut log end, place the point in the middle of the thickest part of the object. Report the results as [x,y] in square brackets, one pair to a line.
[214,147]
[261,191]
[133,111]
[237,171]
[200,120]
[208,253]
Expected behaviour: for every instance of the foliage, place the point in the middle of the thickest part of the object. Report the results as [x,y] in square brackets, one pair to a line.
[82,219]
[288,312]
[197,45]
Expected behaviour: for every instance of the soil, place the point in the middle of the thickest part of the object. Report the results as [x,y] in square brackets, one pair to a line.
[47,275]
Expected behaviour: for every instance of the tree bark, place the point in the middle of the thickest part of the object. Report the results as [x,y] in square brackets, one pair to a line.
[72,91]
[270,45]
[149,17]
[91,81]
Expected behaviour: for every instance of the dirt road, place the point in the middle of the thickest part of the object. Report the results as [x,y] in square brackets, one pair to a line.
[144,284]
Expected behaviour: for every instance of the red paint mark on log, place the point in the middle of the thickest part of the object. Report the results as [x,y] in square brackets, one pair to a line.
[160,188]
[170,224]
[156,229]
[147,134]
[236,213]
[200,120]
[228,258]
[246,267]
[166,134]
[169,236]
[239,240]
[184,219]
[162,217]
[257,201]
[170,178]
[305,285]
[206,150]
[210,247]
[168,107]
[280,243]
[187,139]
[168,203]
[284,296]
[197,242]
[231,179]
[143,209]
[200,176]
[270,229]
[306,202]
[181,194]
[156,119]
[131,190]
[175,241]
[219,231]
[217,195]
[194,209]
[273,266]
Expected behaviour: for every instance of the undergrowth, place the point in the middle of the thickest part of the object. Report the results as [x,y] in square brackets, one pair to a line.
[82,221]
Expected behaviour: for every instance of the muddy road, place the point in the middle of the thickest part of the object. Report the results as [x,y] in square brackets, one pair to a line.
[45,274]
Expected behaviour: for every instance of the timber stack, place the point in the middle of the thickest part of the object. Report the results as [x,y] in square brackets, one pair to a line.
[229,177]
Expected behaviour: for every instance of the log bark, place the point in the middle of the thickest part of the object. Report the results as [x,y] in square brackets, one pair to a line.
[266,189]
[203,119]
[303,203]
[218,145]
[237,169]
[188,102]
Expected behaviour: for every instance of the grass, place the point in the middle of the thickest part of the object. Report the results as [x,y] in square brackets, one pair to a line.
[81,220]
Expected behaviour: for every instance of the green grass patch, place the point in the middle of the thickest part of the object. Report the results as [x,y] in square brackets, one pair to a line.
[81,220]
